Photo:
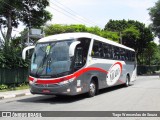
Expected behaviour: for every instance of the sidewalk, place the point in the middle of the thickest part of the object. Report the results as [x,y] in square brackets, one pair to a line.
[13,94]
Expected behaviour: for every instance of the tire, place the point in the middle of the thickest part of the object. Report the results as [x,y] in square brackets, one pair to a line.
[92,89]
[127,81]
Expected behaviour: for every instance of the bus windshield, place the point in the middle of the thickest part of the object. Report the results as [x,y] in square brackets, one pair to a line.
[51,59]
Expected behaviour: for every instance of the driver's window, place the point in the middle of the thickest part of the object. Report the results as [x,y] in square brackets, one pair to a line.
[79,57]
[81,53]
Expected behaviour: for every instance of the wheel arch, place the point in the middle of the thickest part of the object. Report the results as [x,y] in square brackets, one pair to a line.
[95,79]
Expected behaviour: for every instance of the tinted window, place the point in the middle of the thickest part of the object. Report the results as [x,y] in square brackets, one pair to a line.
[107,51]
[97,50]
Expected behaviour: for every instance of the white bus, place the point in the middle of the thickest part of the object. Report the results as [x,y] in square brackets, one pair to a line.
[76,63]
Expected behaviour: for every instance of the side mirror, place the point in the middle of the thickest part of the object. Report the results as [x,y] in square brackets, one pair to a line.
[25,50]
[72,48]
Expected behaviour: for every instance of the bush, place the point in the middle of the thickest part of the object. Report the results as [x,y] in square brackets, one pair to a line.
[10,57]
[2,87]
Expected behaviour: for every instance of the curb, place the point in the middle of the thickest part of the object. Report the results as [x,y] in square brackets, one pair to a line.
[14,95]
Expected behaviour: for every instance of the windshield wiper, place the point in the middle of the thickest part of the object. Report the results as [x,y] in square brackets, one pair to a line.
[44,59]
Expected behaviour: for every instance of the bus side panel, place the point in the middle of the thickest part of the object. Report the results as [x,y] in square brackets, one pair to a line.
[102,77]
[127,68]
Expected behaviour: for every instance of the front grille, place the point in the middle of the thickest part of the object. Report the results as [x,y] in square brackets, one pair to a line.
[53,85]
[46,85]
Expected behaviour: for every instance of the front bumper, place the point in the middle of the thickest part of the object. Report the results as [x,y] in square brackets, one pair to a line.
[53,89]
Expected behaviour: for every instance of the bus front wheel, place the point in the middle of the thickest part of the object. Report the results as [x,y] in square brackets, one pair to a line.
[92,89]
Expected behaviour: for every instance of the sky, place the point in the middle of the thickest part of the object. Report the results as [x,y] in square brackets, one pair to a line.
[98,12]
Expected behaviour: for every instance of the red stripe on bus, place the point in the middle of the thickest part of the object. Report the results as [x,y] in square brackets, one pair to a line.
[76,75]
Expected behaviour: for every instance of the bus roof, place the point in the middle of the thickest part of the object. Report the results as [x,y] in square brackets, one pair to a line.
[64,36]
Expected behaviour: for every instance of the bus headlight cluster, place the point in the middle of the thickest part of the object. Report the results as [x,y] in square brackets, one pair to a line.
[30,82]
[34,81]
[66,82]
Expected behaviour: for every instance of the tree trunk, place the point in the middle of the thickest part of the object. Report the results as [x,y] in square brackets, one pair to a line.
[9,30]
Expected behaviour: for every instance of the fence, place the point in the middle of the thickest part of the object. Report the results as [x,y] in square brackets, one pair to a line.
[20,75]
[13,76]
[145,69]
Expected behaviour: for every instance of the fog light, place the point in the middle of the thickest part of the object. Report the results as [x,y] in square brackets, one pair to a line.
[68,90]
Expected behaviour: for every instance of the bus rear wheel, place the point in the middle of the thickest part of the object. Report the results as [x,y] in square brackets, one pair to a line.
[127,81]
[92,89]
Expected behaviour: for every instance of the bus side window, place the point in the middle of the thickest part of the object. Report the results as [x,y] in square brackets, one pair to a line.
[129,55]
[111,52]
[101,50]
[97,51]
[85,43]
[106,51]
[116,53]
[123,53]
[133,56]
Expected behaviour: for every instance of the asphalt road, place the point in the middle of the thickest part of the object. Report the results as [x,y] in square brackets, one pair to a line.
[144,95]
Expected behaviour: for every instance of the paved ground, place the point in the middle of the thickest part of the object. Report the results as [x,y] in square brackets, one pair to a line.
[144,95]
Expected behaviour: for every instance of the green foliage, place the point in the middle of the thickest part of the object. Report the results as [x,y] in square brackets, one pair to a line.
[10,56]
[110,35]
[30,12]
[2,59]
[152,54]
[156,59]
[129,35]
[58,28]
[154,13]
[95,30]
[116,25]
[2,87]
[133,34]
[12,87]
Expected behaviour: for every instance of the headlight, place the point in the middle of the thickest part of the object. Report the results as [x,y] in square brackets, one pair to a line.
[32,82]
[66,82]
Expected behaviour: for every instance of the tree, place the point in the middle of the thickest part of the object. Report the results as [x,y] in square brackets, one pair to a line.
[116,25]
[130,36]
[133,33]
[11,58]
[156,57]
[150,53]
[59,28]
[110,35]
[31,12]
[154,13]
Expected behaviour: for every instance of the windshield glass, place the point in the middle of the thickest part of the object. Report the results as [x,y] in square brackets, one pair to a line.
[51,59]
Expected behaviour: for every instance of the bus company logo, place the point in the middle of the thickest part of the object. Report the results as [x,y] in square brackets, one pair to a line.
[114,73]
